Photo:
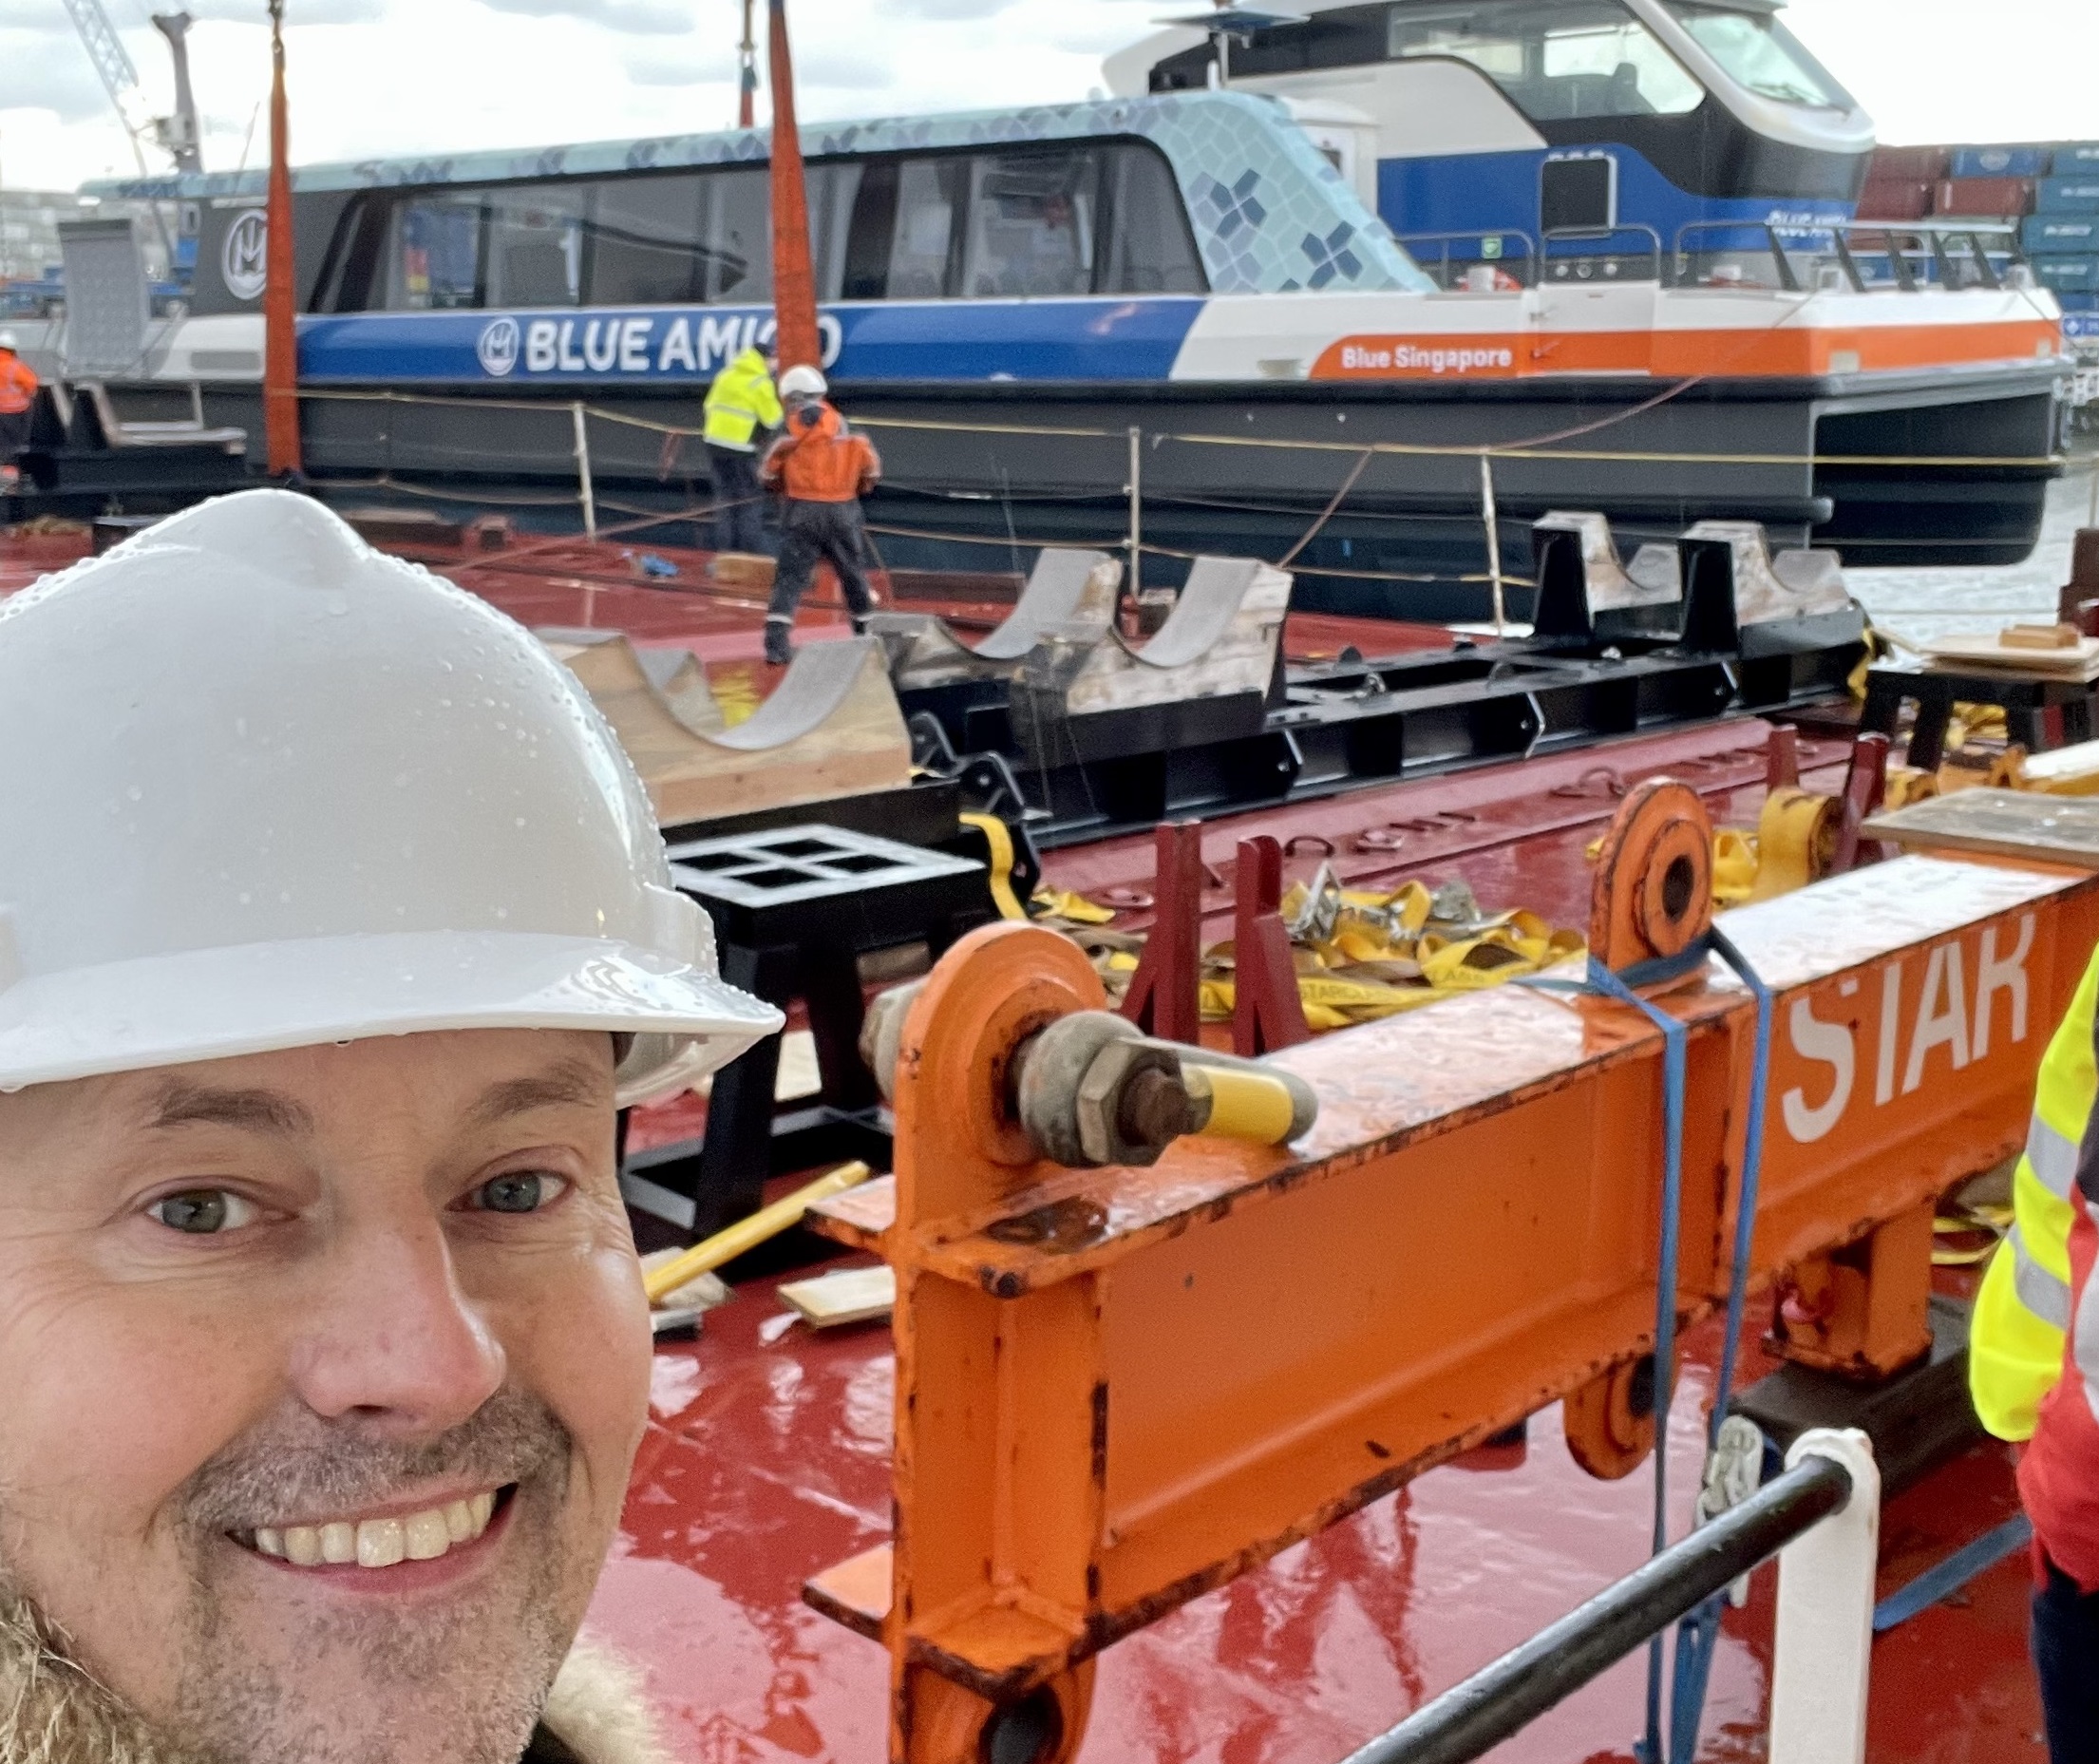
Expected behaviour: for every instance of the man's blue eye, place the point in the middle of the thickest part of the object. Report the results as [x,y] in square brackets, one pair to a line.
[202,1212]
[520,1191]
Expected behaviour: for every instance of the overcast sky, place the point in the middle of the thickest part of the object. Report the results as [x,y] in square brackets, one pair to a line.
[373,77]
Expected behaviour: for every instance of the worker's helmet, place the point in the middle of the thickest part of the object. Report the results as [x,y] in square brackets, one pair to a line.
[263,787]
[9,341]
[802,382]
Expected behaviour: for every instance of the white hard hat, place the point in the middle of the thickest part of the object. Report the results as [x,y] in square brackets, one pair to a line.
[803,383]
[263,787]
[8,341]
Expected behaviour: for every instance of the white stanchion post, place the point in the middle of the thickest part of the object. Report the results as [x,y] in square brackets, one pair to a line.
[1136,514]
[583,470]
[1492,514]
[1824,1648]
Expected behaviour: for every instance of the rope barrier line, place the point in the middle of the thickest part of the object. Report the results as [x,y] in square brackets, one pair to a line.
[1186,557]
[1536,448]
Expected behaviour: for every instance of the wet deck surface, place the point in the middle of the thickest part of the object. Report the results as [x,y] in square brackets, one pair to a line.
[767,1457]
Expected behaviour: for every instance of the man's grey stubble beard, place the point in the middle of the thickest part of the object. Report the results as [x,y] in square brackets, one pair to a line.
[474,1669]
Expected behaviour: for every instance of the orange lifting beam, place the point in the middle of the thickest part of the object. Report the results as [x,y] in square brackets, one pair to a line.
[1117,1388]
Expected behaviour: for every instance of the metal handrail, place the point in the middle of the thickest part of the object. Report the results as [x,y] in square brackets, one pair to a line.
[1787,278]
[1473,1718]
[1661,262]
[1407,240]
[1923,235]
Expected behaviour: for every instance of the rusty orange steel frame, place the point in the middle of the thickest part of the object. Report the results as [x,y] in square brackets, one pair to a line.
[1117,1389]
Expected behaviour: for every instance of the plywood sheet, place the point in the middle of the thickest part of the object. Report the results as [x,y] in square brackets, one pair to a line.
[847,1296]
[831,728]
[2007,823]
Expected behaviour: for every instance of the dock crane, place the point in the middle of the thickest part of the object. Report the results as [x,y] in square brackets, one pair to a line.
[178,135]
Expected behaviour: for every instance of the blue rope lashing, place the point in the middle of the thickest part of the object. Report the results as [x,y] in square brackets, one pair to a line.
[1699,1634]
[1674,1066]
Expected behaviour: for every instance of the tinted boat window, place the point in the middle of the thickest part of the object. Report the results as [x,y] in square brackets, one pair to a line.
[1103,219]
[831,192]
[1032,225]
[434,256]
[536,245]
[928,194]
[1150,248]
[1762,54]
[737,244]
[874,226]
[1558,60]
[644,237]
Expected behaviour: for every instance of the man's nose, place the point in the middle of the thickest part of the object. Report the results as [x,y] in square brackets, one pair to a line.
[391,1336]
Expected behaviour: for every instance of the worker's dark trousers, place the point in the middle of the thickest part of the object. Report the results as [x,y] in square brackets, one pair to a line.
[809,531]
[14,434]
[740,501]
[2066,1657]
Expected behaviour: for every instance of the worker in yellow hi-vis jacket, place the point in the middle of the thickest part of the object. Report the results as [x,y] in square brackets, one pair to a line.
[743,409]
[2032,1362]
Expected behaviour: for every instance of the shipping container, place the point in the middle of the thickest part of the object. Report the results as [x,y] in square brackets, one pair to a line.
[1910,165]
[2082,306]
[1978,199]
[1999,161]
[2069,195]
[2042,234]
[2067,274]
[2079,155]
[1882,201]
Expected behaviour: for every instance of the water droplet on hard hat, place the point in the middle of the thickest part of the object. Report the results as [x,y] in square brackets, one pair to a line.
[501,912]
[136,794]
[520,821]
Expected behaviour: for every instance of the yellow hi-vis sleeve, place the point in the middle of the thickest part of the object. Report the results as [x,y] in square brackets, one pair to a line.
[2015,1340]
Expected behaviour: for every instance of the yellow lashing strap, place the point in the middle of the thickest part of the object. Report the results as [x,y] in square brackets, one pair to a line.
[1062,903]
[1795,839]
[1000,839]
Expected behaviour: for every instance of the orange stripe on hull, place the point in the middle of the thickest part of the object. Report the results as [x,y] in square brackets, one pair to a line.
[1779,351]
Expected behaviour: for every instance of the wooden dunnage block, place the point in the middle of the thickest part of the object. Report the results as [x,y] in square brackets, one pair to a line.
[831,728]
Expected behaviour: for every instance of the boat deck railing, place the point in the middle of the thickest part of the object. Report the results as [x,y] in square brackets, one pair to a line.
[1858,256]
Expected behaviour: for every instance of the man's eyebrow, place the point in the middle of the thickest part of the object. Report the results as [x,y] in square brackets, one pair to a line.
[261,1111]
[571,1084]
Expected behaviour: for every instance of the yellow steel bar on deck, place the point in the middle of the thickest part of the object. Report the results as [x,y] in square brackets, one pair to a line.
[745,1234]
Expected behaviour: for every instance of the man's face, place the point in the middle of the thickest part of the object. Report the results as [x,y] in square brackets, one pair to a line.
[323,1373]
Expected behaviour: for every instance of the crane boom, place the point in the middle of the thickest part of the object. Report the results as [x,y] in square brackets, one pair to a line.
[119,76]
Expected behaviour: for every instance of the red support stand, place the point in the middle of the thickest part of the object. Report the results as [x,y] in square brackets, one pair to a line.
[1266,1010]
[1164,996]
[1864,791]
[1782,758]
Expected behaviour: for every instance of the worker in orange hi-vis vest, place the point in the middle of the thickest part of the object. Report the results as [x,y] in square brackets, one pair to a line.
[18,384]
[823,469]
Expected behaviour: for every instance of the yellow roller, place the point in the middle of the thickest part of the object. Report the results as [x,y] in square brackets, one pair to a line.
[1243,1105]
[726,1245]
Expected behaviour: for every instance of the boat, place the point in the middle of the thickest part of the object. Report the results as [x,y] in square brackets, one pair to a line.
[1176,320]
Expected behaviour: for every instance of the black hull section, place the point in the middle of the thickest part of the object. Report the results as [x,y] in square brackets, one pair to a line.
[978,476]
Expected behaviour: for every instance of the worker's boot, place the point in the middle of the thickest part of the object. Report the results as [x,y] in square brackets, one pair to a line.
[779,651]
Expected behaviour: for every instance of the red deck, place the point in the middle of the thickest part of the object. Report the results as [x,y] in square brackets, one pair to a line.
[766,1458]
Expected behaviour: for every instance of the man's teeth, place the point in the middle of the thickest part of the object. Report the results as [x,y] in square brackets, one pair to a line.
[380,1542]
